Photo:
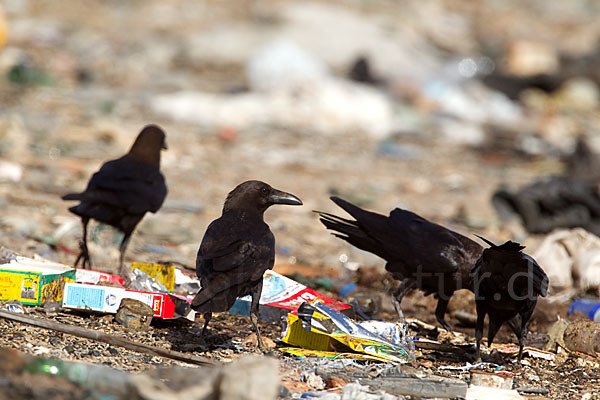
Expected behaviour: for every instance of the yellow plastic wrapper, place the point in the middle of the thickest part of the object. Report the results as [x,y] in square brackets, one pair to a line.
[163,274]
[318,330]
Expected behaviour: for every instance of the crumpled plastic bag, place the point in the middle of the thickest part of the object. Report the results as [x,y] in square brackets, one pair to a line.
[571,259]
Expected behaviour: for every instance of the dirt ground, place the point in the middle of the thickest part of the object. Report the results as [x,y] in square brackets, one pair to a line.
[93,70]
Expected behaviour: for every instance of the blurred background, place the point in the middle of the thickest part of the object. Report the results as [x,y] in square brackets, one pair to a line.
[428,105]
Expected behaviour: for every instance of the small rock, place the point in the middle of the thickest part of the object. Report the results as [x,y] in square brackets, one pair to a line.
[295,386]
[334,382]
[252,341]
[94,353]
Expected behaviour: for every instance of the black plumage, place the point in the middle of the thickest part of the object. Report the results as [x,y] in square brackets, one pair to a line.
[236,250]
[419,253]
[507,283]
[123,190]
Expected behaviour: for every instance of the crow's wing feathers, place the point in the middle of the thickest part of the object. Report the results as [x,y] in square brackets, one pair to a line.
[137,187]
[227,246]
[434,247]
[507,265]
[232,258]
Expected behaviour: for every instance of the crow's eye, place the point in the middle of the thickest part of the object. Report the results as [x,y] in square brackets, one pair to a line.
[264,191]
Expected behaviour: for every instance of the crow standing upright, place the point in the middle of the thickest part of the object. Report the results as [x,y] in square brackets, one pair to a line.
[419,253]
[507,283]
[236,250]
[123,190]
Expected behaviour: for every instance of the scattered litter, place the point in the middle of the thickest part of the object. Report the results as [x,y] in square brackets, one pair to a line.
[469,366]
[13,306]
[570,258]
[186,284]
[500,381]
[393,380]
[320,328]
[281,295]
[33,283]
[314,381]
[513,350]
[143,282]
[589,308]
[107,299]
[163,275]
[90,276]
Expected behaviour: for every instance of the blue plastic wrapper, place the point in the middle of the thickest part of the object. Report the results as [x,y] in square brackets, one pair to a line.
[590,308]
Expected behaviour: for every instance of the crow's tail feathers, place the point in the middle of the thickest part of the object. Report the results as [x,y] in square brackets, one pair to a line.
[72,196]
[508,246]
[352,232]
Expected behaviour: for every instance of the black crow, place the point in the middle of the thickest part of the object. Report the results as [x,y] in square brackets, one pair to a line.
[123,190]
[419,253]
[507,283]
[236,250]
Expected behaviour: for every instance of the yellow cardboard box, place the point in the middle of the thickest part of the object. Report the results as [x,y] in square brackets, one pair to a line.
[33,283]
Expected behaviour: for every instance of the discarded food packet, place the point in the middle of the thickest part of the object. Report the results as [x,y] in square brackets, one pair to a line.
[93,277]
[512,351]
[162,274]
[141,281]
[185,283]
[33,282]
[13,306]
[107,299]
[280,295]
[319,327]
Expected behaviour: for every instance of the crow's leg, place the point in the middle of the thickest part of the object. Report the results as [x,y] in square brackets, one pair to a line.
[521,335]
[479,330]
[521,331]
[207,317]
[84,254]
[255,292]
[405,286]
[493,330]
[124,271]
[440,311]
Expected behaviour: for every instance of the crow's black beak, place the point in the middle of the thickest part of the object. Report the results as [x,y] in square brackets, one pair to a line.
[164,145]
[279,197]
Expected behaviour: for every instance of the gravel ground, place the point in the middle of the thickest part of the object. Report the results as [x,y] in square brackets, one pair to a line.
[99,68]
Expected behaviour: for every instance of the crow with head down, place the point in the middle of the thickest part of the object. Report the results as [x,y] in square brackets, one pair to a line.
[507,283]
[236,250]
[419,253]
[123,191]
